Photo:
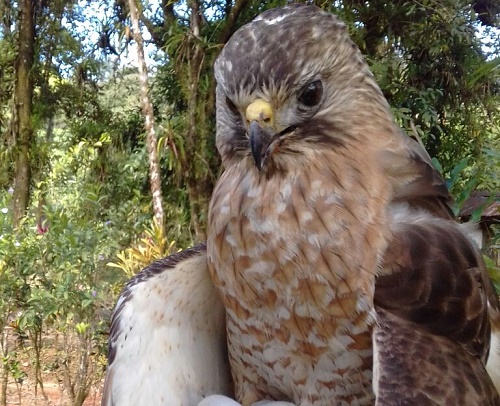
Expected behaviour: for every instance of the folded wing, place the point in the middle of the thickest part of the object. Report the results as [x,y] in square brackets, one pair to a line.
[433,298]
[167,340]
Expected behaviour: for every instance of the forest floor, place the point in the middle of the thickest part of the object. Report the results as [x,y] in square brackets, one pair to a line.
[54,392]
[25,395]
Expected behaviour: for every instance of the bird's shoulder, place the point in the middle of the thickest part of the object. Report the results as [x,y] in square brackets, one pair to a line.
[414,179]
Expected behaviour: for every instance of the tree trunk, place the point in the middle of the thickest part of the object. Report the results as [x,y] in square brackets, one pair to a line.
[199,140]
[4,336]
[23,130]
[147,110]
[198,202]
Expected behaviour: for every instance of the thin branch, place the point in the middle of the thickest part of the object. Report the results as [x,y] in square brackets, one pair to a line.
[168,10]
[155,30]
[231,20]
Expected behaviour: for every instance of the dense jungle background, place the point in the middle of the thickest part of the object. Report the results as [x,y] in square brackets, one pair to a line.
[107,157]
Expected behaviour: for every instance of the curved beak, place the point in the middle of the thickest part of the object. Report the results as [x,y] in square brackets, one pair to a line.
[260,116]
[260,138]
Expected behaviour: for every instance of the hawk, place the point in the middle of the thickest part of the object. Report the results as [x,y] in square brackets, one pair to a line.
[330,237]
[334,272]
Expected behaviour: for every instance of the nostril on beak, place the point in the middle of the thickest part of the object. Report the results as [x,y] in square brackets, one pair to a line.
[265,119]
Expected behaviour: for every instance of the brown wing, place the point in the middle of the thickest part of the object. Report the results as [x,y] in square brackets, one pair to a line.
[433,329]
[414,367]
[434,277]
[433,334]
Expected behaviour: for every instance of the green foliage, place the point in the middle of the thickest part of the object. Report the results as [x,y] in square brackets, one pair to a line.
[53,272]
[493,270]
[12,364]
[50,278]
[154,245]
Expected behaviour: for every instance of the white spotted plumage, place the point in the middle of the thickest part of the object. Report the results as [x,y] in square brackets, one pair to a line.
[167,338]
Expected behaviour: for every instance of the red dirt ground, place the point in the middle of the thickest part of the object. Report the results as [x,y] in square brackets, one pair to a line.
[54,392]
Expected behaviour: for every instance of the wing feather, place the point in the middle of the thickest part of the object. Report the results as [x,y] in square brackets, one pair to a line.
[433,328]
[435,277]
[414,367]
[433,297]
[167,338]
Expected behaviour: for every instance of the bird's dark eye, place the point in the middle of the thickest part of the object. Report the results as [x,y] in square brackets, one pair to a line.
[311,93]
[232,106]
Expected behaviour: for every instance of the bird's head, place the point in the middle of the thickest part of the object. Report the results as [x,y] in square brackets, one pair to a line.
[289,82]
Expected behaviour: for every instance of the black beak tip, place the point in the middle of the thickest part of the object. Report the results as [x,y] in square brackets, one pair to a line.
[258,144]
[259,161]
